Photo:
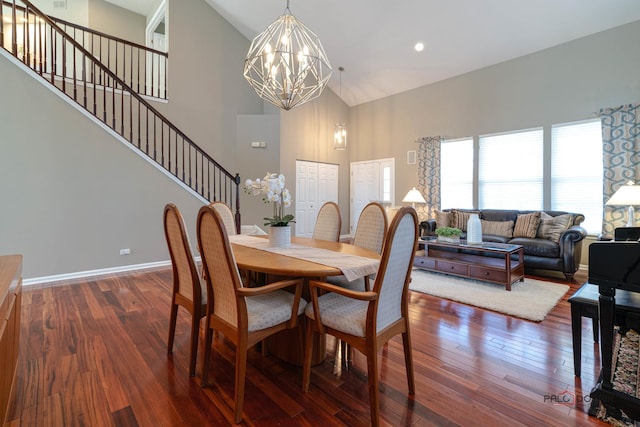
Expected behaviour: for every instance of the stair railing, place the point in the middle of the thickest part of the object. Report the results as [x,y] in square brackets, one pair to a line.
[144,69]
[39,43]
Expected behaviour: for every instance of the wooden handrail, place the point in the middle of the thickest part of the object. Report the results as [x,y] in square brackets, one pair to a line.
[108,36]
[45,49]
[144,68]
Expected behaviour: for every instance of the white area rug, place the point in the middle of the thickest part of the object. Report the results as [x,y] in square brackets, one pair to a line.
[531,299]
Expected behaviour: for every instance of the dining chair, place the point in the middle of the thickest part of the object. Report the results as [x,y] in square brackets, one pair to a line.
[366,320]
[328,223]
[371,231]
[188,289]
[227,216]
[229,223]
[244,315]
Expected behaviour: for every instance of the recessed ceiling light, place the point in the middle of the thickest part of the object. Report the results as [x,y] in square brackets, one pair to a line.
[419,47]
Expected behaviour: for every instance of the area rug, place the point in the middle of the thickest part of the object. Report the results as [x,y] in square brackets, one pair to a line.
[625,379]
[531,299]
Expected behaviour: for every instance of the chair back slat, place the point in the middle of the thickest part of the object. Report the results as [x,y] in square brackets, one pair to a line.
[394,273]
[328,223]
[227,217]
[372,228]
[185,273]
[219,264]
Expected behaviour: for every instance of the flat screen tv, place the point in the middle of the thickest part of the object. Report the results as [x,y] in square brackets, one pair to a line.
[615,264]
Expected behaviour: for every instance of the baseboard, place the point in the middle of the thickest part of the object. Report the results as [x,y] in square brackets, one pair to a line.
[99,272]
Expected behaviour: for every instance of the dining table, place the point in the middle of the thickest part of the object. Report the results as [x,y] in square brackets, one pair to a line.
[308,259]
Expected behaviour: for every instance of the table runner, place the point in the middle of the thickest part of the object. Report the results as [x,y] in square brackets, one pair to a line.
[352,266]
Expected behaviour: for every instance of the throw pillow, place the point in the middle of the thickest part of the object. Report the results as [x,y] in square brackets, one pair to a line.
[527,225]
[551,227]
[443,219]
[459,218]
[497,228]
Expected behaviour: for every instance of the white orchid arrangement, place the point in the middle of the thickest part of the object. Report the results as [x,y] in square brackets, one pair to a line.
[273,190]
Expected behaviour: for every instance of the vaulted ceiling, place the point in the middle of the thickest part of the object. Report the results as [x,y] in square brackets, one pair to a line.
[373,40]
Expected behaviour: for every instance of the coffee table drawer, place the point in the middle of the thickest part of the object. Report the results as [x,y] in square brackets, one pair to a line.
[424,262]
[450,267]
[486,274]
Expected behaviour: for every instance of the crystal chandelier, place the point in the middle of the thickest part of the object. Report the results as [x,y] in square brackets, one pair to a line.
[286,64]
[340,132]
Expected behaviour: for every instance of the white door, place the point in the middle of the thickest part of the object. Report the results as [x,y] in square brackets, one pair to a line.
[316,184]
[371,181]
[157,73]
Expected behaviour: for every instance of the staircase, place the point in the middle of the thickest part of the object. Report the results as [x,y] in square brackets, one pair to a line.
[99,72]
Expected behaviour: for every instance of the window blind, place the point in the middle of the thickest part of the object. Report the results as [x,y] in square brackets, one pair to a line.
[510,170]
[577,171]
[456,174]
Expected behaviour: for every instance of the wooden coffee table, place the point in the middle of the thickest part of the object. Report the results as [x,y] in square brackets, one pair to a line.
[491,262]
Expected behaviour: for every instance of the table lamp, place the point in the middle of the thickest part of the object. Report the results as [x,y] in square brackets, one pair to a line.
[414,196]
[627,195]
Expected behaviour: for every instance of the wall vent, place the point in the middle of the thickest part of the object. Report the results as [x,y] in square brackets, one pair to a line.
[59,4]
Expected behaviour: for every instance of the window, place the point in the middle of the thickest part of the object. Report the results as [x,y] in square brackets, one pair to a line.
[510,170]
[577,171]
[386,183]
[456,174]
[520,170]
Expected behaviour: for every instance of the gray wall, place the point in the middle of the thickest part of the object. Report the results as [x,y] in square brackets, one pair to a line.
[307,134]
[116,21]
[73,196]
[565,83]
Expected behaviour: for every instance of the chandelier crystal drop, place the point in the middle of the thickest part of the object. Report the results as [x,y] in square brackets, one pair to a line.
[286,64]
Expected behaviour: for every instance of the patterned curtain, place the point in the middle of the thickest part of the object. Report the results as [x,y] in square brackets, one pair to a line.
[429,175]
[621,150]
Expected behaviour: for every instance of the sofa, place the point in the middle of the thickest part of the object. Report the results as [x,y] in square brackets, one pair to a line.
[552,240]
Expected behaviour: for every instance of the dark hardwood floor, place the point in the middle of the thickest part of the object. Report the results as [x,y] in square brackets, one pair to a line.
[93,353]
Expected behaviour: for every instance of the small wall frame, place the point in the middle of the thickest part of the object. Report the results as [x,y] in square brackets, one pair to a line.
[411,157]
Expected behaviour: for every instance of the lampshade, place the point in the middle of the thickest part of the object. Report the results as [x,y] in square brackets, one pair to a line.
[340,137]
[627,195]
[414,196]
[286,64]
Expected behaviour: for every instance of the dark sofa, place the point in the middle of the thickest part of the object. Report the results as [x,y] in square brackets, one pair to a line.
[539,253]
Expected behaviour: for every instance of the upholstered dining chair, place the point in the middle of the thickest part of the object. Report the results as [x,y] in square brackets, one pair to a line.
[229,224]
[244,315]
[367,320]
[188,290]
[328,223]
[371,231]
[227,216]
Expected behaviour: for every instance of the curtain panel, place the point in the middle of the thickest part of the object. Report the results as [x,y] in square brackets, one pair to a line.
[429,175]
[621,158]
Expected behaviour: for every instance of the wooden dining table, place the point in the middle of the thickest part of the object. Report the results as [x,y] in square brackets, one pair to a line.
[288,345]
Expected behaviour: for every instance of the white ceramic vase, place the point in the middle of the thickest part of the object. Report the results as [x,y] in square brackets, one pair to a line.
[280,237]
[474,230]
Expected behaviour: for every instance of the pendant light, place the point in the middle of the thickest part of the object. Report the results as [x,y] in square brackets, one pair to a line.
[286,64]
[340,132]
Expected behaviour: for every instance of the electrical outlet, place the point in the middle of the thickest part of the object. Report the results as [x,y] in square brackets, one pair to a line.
[126,251]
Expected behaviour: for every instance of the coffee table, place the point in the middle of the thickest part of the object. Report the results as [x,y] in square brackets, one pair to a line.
[491,262]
